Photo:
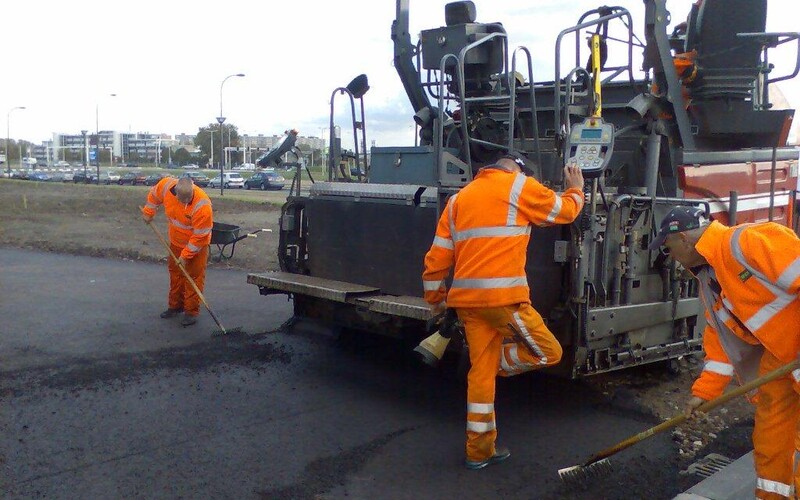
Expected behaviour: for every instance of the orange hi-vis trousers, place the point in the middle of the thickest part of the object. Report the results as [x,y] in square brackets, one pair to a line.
[775,434]
[493,351]
[181,293]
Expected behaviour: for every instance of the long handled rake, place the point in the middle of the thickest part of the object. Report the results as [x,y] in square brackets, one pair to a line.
[598,464]
[222,330]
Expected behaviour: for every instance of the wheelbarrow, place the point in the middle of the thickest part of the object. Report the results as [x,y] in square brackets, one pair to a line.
[225,237]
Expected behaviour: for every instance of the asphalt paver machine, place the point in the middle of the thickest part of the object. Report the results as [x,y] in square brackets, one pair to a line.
[692,123]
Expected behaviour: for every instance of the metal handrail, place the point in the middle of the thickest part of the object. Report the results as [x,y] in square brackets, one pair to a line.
[331,159]
[440,118]
[462,87]
[512,107]
[629,43]
[622,13]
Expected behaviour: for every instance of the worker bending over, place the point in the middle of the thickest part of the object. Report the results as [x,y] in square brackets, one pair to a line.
[749,278]
[188,210]
[484,233]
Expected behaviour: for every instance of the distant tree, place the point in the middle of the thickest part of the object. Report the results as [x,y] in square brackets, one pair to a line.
[181,157]
[17,147]
[165,155]
[203,139]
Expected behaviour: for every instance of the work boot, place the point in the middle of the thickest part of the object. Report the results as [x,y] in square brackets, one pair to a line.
[171,313]
[188,320]
[500,454]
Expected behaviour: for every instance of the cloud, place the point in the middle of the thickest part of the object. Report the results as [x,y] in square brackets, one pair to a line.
[166,60]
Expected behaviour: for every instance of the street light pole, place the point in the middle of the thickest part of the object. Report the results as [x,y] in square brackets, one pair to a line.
[8,138]
[221,120]
[85,155]
[97,136]
[324,160]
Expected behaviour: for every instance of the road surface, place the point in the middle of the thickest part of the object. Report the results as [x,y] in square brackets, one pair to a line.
[100,398]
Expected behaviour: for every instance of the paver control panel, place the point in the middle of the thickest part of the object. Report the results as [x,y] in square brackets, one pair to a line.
[590,145]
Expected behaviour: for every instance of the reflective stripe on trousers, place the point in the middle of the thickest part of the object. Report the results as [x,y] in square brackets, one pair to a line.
[776,419]
[486,331]
[181,293]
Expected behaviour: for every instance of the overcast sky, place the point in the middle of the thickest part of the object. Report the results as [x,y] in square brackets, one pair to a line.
[165,60]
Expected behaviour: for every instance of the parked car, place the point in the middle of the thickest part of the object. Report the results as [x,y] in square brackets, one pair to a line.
[67,176]
[152,180]
[132,178]
[109,178]
[265,180]
[228,179]
[198,178]
[191,166]
[38,176]
[62,164]
[84,177]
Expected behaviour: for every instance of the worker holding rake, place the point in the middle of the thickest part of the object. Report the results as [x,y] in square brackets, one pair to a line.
[749,277]
[188,210]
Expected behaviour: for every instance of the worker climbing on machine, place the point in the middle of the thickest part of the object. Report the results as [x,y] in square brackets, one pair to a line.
[483,233]
[188,210]
[749,277]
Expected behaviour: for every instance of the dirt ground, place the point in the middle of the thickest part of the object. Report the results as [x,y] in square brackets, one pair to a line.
[105,222]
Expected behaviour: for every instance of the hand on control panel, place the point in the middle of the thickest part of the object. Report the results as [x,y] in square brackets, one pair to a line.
[573,177]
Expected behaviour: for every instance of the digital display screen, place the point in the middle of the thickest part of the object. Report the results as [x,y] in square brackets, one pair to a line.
[591,133]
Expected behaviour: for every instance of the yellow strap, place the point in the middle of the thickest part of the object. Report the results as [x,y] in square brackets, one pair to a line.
[598,101]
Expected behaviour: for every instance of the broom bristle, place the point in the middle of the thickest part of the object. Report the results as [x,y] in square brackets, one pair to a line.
[228,332]
[580,473]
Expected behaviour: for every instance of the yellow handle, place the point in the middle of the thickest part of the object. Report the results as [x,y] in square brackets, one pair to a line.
[598,99]
[708,405]
[188,277]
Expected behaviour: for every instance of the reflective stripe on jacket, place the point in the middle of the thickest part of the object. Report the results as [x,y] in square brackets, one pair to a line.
[484,232]
[189,225]
[757,267]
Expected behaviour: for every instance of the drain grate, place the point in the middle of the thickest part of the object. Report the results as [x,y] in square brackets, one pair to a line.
[708,465]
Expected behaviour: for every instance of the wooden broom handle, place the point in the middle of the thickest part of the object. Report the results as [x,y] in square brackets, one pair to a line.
[708,405]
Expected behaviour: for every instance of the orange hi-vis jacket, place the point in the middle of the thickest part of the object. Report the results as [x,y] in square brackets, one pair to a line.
[189,225]
[484,231]
[750,292]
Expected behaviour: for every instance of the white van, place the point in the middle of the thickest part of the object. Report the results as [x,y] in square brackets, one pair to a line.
[229,180]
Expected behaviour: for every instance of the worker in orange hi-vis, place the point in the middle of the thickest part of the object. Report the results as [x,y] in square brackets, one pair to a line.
[188,210]
[483,233]
[749,278]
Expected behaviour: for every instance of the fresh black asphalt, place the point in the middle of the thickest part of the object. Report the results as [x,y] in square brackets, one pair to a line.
[100,398]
